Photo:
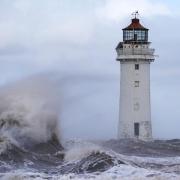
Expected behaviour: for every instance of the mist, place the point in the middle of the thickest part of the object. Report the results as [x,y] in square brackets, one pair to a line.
[29,109]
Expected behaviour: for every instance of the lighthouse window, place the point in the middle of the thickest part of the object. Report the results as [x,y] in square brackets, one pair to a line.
[135,35]
[136,106]
[136,66]
[136,129]
[139,34]
[136,83]
[127,35]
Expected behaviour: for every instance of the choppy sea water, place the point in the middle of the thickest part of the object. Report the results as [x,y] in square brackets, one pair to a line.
[113,159]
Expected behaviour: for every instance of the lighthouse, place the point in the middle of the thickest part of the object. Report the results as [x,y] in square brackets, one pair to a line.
[135,56]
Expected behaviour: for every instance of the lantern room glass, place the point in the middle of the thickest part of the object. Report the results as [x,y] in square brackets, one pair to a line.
[135,35]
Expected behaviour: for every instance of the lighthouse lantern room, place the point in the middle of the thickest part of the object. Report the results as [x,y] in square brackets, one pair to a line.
[135,56]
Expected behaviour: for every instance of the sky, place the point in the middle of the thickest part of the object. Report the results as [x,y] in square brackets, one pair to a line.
[73,43]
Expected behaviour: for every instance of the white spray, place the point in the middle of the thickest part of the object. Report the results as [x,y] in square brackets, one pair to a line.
[30,109]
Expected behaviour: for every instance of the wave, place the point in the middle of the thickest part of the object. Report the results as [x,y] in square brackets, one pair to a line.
[29,111]
[87,157]
[86,160]
[53,158]
[40,156]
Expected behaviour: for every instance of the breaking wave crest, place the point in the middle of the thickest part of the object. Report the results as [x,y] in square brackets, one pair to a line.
[29,113]
[87,157]
[30,134]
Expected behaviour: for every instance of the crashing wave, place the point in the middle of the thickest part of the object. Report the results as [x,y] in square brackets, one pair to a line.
[29,125]
[85,160]
[29,112]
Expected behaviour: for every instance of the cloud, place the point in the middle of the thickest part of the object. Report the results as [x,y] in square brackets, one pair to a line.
[38,35]
[33,24]
[117,10]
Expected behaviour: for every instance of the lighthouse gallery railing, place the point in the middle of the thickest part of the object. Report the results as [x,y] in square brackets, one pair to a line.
[135,51]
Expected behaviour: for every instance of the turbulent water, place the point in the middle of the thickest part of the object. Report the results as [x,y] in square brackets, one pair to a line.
[27,152]
[112,159]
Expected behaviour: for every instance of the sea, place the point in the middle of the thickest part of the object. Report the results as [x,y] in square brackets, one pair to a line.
[77,159]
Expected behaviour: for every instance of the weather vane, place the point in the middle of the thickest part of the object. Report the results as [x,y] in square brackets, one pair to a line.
[135,14]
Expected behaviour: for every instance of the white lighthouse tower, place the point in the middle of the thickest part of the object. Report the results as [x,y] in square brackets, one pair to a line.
[135,56]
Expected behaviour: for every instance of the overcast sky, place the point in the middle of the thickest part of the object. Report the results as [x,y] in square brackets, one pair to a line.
[74,42]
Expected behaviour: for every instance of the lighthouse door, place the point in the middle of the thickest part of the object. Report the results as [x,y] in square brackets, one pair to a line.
[136,129]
